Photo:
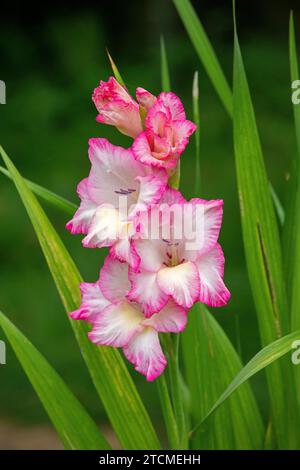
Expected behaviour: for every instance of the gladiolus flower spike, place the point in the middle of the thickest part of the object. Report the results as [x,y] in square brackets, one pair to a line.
[164,253]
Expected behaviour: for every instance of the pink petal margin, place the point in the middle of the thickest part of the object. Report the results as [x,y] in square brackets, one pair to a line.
[145,353]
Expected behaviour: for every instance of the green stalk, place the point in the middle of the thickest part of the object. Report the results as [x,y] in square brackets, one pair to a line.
[196,117]
[168,413]
[176,390]
[293,229]
[164,66]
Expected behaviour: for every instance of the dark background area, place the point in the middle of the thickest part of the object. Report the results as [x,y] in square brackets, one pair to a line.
[52,56]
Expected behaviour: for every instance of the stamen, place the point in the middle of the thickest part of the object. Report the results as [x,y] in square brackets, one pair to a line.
[125,192]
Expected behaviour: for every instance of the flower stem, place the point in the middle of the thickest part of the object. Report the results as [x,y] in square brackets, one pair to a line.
[174,177]
[176,391]
[168,413]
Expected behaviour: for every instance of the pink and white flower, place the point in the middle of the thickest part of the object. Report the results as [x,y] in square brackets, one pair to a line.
[117,108]
[147,282]
[166,133]
[120,323]
[116,189]
[169,268]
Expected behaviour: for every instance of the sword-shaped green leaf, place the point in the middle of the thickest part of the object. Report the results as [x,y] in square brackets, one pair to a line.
[46,195]
[262,248]
[205,51]
[211,363]
[262,359]
[74,426]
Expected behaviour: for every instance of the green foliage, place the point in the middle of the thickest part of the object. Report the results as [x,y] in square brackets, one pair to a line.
[196,119]
[74,426]
[262,245]
[211,363]
[227,419]
[164,66]
[262,359]
[205,51]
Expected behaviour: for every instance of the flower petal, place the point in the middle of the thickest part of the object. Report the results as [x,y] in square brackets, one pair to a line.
[182,130]
[207,213]
[145,353]
[151,190]
[181,282]
[213,291]
[143,152]
[171,101]
[117,108]
[145,98]
[92,302]
[158,119]
[116,325]
[171,319]
[172,196]
[113,173]
[125,116]
[123,250]
[145,291]
[109,91]
[82,218]
[113,281]
[151,252]
[105,228]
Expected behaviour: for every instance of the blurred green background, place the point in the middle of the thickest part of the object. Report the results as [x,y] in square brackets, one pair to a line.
[51,60]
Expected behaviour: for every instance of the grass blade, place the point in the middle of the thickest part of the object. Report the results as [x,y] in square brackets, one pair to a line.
[292,230]
[196,119]
[262,246]
[294,69]
[164,66]
[210,62]
[75,427]
[109,373]
[205,51]
[211,363]
[292,208]
[168,412]
[46,195]
[293,249]
[262,359]
[278,206]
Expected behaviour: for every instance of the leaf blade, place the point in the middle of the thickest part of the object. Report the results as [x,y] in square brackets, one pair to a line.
[211,363]
[196,119]
[59,202]
[293,266]
[205,51]
[164,66]
[262,246]
[262,359]
[212,66]
[291,235]
[63,408]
